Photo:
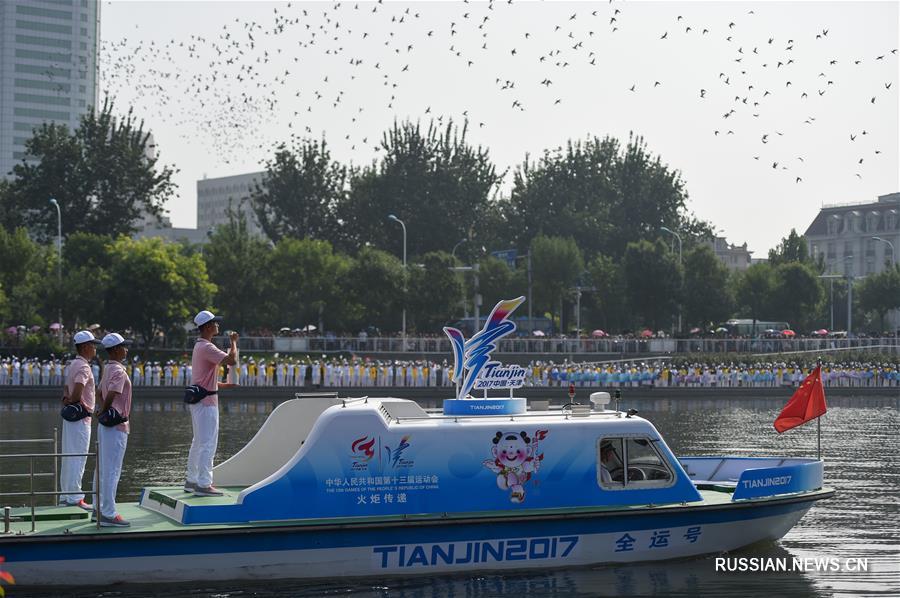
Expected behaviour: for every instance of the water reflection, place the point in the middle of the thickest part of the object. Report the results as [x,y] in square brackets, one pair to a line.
[861,447]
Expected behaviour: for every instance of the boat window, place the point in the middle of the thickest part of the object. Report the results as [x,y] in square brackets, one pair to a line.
[631,463]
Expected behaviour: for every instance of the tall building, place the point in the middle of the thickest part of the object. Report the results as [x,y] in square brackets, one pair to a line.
[214,196]
[48,68]
[845,234]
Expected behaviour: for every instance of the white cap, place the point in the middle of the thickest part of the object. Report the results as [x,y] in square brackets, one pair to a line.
[204,317]
[85,336]
[114,339]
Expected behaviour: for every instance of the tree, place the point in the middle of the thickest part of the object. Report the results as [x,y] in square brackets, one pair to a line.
[556,264]
[87,260]
[796,294]
[607,307]
[794,248]
[154,288]
[707,294]
[653,281]
[238,264]
[753,291]
[496,282]
[103,174]
[306,278]
[299,193]
[25,270]
[433,180]
[375,284]
[880,293]
[602,194]
[435,292]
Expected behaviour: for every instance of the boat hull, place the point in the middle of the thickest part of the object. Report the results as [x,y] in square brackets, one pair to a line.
[401,548]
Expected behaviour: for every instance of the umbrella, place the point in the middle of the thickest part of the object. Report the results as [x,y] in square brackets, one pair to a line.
[11,330]
[35,328]
[55,326]
[538,333]
[696,331]
[721,329]
[599,334]
[788,332]
[309,328]
[284,329]
[821,332]
[93,327]
[646,333]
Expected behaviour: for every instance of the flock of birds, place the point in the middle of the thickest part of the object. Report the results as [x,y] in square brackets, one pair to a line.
[228,87]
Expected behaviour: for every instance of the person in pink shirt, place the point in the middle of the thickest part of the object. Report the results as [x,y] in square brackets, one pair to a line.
[115,394]
[79,394]
[205,363]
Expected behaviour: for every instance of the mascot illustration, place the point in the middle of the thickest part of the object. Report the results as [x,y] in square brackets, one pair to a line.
[516,457]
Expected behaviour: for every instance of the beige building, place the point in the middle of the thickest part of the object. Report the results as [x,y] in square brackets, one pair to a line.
[735,257]
[847,235]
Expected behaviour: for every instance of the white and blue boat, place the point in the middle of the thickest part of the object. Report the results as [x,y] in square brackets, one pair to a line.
[364,487]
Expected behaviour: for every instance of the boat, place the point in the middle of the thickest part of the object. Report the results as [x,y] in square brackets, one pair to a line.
[364,487]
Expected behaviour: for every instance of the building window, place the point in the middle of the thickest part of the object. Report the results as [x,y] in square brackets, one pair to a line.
[43,41]
[43,12]
[45,56]
[47,114]
[44,27]
[631,463]
[36,99]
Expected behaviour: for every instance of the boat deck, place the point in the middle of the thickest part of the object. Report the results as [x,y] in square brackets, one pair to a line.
[60,520]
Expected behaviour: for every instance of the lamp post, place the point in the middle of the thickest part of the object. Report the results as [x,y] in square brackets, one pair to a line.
[889,244]
[403,334]
[677,236]
[55,204]
[455,247]
[848,270]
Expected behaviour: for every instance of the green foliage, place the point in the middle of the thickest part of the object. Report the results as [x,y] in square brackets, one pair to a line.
[101,174]
[87,260]
[40,345]
[375,284]
[26,271]
[707,294]
[598,192]
[496,282]
[238,265]
[796,293]
[154,287]
[753,291]
[794,248]
[306,276]
[607,306]
[653,281]
[557,264]
[880,293]
[435,291]
[433,180]
[300,192]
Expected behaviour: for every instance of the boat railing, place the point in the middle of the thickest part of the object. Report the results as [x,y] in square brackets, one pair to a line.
[563,413]
[33,494]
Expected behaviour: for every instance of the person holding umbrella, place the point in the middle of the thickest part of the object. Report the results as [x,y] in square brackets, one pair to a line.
[204,403]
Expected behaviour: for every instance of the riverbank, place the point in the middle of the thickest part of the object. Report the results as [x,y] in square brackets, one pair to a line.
[431,395]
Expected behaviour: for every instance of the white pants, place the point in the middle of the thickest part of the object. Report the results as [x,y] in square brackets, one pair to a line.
[112,452]
[76,438]
[205,421]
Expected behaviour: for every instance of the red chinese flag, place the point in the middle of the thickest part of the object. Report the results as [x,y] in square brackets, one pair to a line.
[807,403]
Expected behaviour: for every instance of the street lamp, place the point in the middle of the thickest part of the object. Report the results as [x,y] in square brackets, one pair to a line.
[891,245]
[395,219]
[677,236]
[455,247]
[848,270]
[55,204]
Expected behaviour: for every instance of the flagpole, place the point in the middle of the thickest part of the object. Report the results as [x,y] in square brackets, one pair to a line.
[819,419]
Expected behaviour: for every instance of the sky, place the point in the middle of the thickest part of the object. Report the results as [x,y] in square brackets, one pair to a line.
[769,110]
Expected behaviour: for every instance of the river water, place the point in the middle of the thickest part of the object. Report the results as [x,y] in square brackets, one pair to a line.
[861,446]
